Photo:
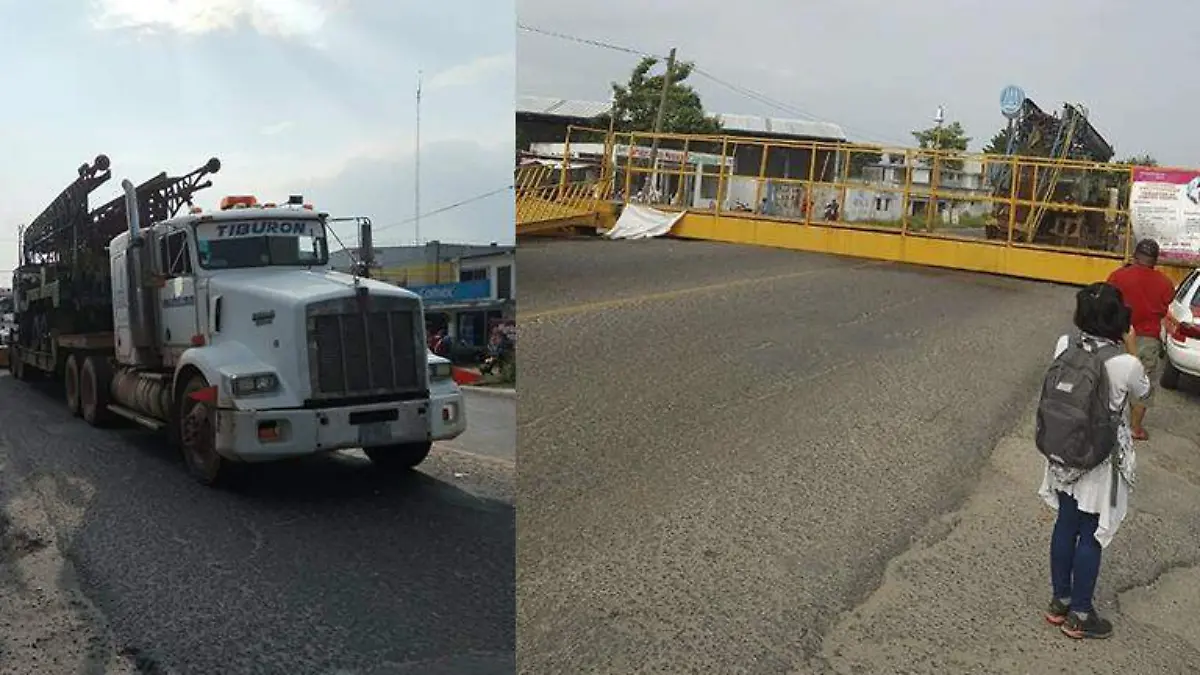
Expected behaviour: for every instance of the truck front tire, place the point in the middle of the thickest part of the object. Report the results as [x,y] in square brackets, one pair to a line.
[400,457]
[198,435]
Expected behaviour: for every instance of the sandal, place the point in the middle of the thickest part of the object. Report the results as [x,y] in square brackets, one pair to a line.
[1140,435]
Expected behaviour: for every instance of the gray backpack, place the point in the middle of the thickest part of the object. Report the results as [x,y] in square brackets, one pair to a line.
[1076,426]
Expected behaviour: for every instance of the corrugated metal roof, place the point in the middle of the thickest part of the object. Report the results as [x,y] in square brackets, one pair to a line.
[754,124]
[561,107]
[747,124]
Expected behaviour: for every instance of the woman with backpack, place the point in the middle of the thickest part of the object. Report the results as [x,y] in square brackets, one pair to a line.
[1083,430]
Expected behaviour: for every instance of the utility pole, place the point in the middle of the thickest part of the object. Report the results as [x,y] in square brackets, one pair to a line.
[934,173]
[658,117]
[417,168]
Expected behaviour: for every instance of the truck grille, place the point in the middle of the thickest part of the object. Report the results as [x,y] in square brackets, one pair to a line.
[355,353]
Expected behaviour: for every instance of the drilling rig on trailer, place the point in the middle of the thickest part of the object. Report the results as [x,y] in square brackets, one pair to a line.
[1056,185]
[226,329]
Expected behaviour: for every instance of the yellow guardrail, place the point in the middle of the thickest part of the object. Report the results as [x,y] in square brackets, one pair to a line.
[1045,218]
[547,198]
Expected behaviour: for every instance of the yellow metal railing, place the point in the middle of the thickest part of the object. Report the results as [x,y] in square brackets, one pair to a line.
[915,192]
[547,197]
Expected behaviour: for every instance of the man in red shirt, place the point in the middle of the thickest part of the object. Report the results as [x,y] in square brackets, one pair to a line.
[1147,293]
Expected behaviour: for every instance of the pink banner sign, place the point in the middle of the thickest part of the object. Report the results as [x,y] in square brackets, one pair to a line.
[1164,205]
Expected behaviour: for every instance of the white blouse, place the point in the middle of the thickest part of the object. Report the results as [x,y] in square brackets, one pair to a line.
[1093,491]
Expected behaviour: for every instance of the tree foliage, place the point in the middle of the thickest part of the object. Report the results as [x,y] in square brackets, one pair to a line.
[1144,159]
[950,136]
[999,143]
[635,103]
[860,159]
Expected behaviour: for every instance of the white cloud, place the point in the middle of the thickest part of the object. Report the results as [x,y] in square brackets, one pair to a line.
[283,18]
[474,72]
[277,128]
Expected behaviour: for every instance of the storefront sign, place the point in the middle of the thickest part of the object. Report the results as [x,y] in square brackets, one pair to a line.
[466,291]
[1164,205]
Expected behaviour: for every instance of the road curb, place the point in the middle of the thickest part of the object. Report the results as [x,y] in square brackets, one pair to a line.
[490,391]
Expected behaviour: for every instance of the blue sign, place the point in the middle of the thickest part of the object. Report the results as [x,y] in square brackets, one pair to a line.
[443,294]
[1011,100]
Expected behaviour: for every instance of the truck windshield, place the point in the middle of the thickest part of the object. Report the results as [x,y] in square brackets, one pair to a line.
[261,243]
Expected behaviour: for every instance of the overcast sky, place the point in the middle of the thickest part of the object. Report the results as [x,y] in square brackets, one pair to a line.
[294,96]
[881,68]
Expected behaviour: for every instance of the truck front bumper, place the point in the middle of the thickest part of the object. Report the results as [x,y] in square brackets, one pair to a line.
[267,435]
[449,418]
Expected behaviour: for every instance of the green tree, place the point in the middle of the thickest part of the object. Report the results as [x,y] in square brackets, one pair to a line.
[999,143]
[860,159]
[635,103]
[1121,180]
[950,136]
[1140,160]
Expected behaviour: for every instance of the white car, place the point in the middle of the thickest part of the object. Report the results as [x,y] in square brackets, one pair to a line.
[1181,333]
[449,417]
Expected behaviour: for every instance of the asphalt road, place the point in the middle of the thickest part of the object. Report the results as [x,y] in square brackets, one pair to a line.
[722,447]
[321,566]
[491,426]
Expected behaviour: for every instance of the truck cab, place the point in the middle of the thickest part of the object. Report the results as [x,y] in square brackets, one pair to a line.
[271,353]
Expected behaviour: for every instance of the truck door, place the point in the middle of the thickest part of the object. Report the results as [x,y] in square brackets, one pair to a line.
[179,317]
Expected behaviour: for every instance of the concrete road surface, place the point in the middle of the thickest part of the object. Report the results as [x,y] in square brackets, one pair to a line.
[491,425]
[723,447]
[321,566]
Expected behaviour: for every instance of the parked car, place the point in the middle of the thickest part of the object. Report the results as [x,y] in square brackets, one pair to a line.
[1181,333]
[449,413]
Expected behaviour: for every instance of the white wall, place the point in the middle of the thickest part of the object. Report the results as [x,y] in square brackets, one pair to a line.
[492,263]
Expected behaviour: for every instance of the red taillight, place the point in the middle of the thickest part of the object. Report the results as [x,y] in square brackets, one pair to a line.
[1181,331]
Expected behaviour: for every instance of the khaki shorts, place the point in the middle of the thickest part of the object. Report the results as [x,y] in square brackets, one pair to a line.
[1149,352]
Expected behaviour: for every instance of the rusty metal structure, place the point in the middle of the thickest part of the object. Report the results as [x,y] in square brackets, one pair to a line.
[63,285]
[1061,200]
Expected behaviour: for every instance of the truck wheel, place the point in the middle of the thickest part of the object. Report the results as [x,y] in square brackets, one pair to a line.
[198,435]
[399,457]
[1170,375]
[95,387]
[71,384]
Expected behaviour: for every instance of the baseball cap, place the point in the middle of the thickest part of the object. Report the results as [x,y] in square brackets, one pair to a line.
[1148,248]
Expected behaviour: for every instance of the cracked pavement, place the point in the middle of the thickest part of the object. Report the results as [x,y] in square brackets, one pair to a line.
[968,598]
[746,460]
[117,562]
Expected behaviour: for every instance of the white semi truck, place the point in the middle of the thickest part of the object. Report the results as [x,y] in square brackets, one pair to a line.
[225,329]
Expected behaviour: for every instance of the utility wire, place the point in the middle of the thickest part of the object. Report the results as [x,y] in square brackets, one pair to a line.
[586,41]
[448,207]
[739,89]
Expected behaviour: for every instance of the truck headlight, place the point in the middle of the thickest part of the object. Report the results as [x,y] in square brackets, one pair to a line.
[254,383]
[439,371]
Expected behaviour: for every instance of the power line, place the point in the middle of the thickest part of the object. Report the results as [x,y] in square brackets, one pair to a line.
[739,89]
[790,109]
[586,41]
[448,207]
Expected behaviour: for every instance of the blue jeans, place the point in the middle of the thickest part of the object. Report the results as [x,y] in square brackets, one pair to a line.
[1074,554]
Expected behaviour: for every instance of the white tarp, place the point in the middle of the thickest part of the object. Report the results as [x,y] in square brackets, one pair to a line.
[643,222]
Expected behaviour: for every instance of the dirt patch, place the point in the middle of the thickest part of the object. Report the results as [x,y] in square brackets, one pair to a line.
[47,625]
[967,597]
